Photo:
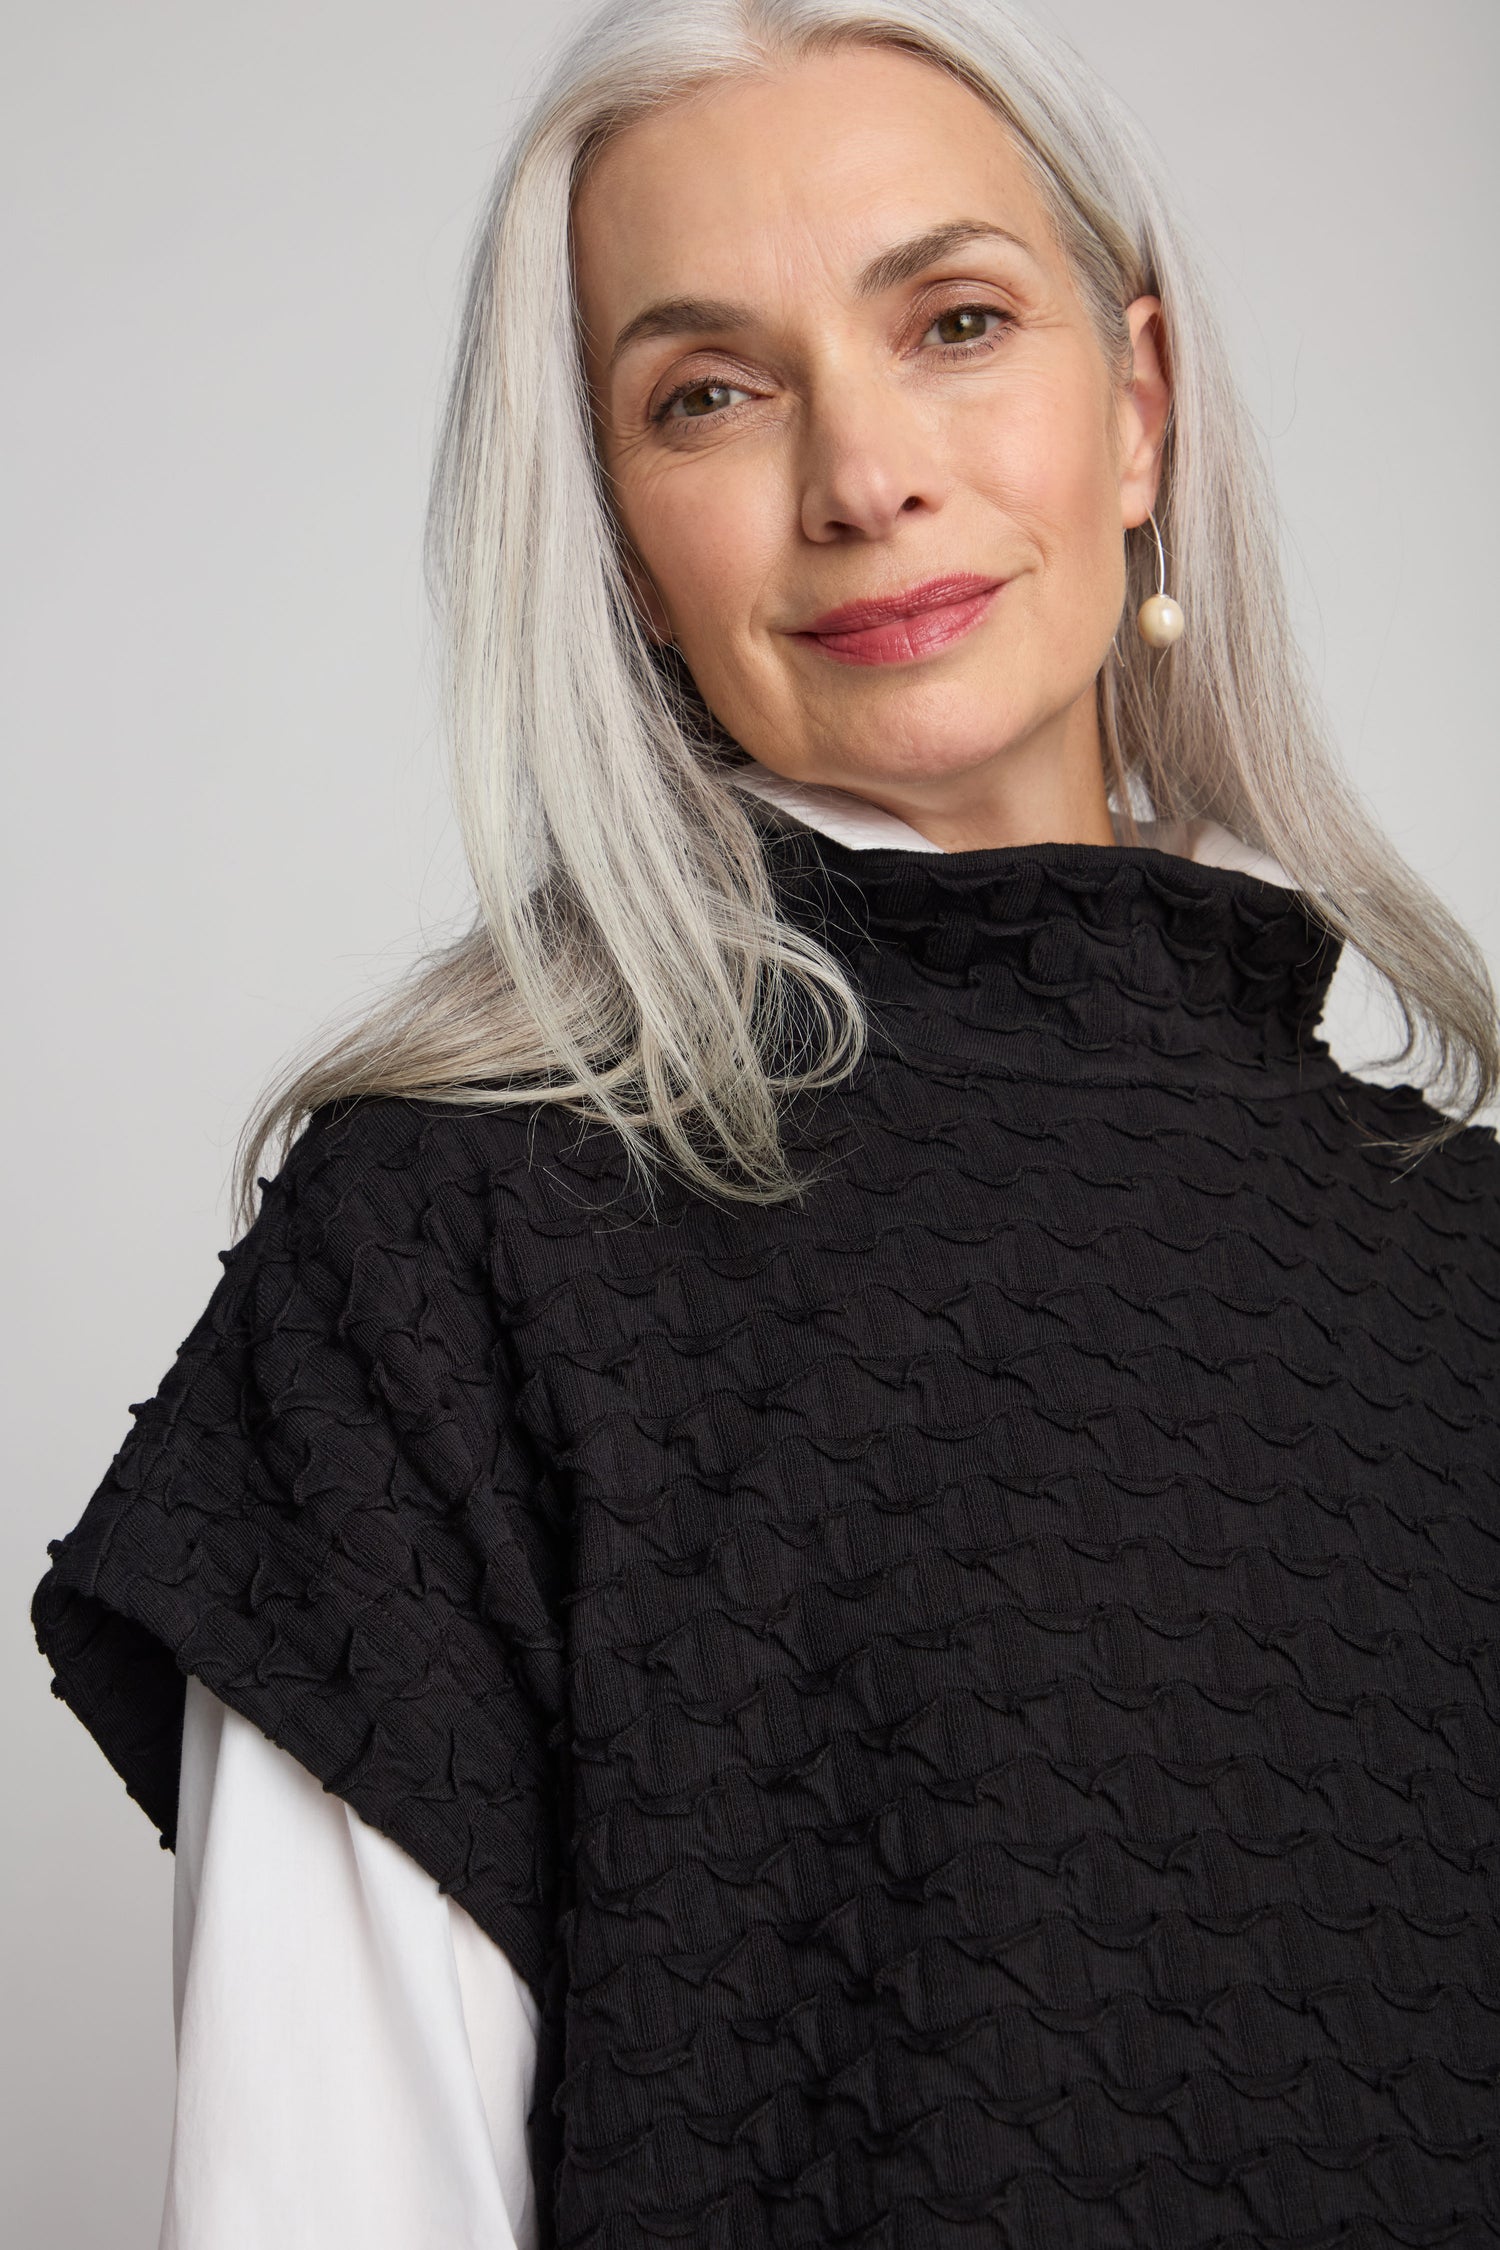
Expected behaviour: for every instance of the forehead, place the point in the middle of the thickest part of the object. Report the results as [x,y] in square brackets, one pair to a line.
[768,181]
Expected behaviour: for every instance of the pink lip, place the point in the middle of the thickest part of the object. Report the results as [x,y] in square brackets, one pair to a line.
[896,628]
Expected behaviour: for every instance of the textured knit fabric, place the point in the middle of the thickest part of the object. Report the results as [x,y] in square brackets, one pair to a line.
[971,1697]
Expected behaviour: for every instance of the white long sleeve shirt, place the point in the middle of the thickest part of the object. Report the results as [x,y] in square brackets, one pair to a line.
[355,2057]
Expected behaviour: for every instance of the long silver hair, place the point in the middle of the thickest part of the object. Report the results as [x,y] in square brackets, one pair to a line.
[626,957]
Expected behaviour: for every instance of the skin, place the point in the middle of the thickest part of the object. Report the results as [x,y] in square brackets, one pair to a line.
[829,448]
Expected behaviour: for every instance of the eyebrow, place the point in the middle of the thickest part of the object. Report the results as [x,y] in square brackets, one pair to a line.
[677,316]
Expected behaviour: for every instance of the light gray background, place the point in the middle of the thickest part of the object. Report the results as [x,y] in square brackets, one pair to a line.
[231,252]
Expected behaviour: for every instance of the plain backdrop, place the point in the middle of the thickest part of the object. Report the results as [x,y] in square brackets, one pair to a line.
[232,243]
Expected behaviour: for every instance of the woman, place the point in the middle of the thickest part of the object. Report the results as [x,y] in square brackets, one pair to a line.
[833,1538]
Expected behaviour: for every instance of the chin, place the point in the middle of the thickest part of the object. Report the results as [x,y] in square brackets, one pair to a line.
[936,750]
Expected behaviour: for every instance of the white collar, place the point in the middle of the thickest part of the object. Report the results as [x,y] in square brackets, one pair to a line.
[862,826]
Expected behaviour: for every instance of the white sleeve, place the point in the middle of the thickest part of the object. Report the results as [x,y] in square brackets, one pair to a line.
[355,2057]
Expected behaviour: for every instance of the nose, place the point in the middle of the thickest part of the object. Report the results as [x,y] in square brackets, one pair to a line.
[866,460]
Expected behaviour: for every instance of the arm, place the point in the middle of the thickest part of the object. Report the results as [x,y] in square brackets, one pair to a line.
[355,2056]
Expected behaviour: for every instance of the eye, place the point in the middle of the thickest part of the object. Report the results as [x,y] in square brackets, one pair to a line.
[718,393]
[965,325]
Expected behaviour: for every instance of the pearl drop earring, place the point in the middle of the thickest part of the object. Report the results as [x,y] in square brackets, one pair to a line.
[1159,621]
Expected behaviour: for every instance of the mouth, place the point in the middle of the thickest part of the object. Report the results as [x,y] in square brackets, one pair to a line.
[898,628]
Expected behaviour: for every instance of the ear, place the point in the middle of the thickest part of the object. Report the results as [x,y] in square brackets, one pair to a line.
[1141,411]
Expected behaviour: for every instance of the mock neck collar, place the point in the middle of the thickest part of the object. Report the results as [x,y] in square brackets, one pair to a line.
[1102,953]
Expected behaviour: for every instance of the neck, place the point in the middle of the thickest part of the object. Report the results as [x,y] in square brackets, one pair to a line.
[1047,789]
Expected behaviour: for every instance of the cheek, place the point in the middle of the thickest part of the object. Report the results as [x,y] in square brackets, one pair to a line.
[1051,469]
[706,540]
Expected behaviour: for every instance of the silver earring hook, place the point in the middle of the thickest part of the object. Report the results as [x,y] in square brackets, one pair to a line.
[1159,620]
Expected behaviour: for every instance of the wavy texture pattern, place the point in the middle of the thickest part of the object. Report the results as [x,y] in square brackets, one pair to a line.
[972,1699]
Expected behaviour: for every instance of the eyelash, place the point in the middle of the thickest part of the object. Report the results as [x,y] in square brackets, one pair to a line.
[972,350]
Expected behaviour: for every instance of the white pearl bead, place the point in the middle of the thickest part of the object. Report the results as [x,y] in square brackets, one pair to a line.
[1159,621]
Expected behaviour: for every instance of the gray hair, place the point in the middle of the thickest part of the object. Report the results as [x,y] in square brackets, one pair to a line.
[627,959]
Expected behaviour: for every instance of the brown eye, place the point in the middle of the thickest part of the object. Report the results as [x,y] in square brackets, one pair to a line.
[718,396]
[965,324]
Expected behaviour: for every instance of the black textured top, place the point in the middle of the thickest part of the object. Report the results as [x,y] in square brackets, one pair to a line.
[971,1698]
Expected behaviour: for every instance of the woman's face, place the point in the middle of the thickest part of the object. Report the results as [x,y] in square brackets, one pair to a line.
[821,379]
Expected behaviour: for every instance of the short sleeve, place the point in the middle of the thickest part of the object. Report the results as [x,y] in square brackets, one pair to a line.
[330,1513]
